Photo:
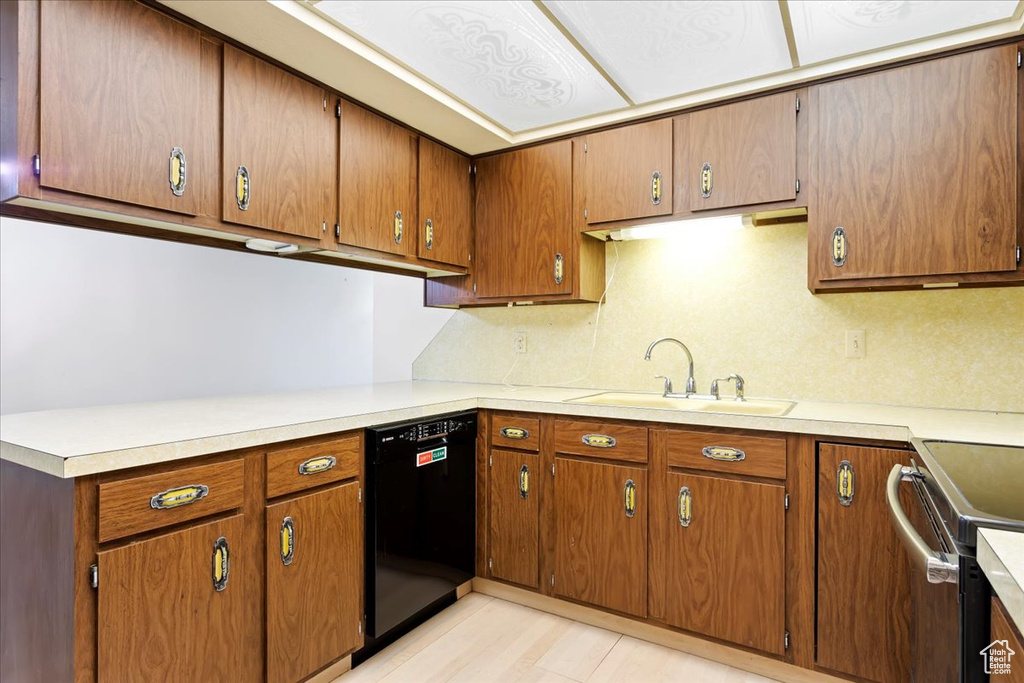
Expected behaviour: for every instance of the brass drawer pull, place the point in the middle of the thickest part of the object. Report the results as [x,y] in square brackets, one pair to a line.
[707,180]
[243,188]
[844,483]
[839,247]
[287,540]
[629,497]
[656,188]
[559,269]
[176,497]
[723,453]
[517,433]
[599,440]
[684,506]
[221,564]
[398,227]
[524,481]
[429,239]
[319,464]
[176,171]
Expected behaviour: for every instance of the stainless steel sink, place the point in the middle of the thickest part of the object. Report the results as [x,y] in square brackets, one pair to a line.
[752,406]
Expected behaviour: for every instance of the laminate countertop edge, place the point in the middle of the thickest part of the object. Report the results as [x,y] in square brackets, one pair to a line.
[1001,557]
[78,442]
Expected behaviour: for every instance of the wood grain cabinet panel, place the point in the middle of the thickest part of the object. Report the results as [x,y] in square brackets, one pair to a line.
[515,517]
[119,91]
[726,566]
[161,616]
[1002,628]
[754,456]
[303,467]
[281,130]
[602,440]
[601,547]
[378,182]
[739,154]
[863,571]
[515,431]
[523,222]
[628,172]
[445,205]
[314,578]
[918,166]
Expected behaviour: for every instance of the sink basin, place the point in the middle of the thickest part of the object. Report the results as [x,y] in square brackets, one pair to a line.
[752,406]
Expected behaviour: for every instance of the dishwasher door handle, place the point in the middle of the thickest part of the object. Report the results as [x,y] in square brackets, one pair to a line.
[935,565]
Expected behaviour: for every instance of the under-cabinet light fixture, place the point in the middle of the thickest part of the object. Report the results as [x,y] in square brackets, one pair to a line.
[270,246]
[661,230]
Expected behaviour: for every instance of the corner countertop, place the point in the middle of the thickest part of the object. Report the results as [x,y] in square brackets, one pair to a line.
[1001,557]
[78,442]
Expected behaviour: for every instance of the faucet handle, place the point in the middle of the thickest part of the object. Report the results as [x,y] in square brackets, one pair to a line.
[668,383]
[731,378]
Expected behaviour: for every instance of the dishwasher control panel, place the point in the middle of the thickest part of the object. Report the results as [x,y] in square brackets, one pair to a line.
[434,429]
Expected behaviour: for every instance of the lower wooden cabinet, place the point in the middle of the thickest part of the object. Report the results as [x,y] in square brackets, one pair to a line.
[726,560]
[1003,629]
[314,581]
[601,534]
[514,499]
[169,608]
[863,572]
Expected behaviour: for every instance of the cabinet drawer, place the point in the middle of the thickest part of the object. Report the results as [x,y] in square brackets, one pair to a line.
[131,506]
[509,431]
[756,456]
[614,442]
[303,467]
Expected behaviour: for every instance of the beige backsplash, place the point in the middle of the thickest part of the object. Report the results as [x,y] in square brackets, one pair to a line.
[740,302]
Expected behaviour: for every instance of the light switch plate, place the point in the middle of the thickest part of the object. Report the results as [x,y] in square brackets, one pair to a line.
[855,344]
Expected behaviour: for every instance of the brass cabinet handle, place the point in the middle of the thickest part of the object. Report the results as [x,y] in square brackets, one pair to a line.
[398,227]
[839,246]
[176,168]
[723,453]
[656,188]
[707,180]
[320,463]
[684,506]
[243,188]
[629,497]
[221,564]
[559,269]
[178,496]
[517,433]
[844,483]
[287,540]
[599,440]
[524,481]
[429,229]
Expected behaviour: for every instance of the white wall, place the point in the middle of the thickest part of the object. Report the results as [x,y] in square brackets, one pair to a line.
[91,318]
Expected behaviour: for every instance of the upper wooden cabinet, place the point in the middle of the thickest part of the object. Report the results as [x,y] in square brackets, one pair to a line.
[628,172]
[378,183]
[119,101]
[916,172]
[278,162]
[445,205]
[737,155]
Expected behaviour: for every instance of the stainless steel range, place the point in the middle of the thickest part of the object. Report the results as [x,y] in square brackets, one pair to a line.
[959,487]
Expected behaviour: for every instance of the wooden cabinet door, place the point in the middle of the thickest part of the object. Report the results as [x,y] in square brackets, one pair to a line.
[314,581]
[161,615]
[515,517]
[601,546]
[1002,628]
[863,571]
[446,205]
[628,172]
[523,222]
[119,93]
[917,165]
[278,159]
[378,183]
[739,154]
[726,560]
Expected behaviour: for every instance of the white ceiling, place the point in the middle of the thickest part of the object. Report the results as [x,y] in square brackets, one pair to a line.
[486,74]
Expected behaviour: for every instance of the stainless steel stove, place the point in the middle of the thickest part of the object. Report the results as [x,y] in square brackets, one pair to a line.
[959,488]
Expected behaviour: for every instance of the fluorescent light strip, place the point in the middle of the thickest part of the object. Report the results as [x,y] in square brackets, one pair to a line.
[676,228]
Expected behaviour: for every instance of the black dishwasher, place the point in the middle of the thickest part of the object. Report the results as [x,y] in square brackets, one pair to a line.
[420,522]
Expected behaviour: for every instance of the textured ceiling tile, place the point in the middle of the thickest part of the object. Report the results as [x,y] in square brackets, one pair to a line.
[827,29]
[655,50]
[504,59]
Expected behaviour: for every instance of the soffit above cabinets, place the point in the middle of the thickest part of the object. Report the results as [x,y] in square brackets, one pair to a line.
[483,75]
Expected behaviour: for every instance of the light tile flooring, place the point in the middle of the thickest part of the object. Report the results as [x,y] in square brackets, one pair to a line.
[481,639]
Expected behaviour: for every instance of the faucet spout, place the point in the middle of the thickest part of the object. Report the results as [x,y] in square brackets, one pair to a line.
[691,383]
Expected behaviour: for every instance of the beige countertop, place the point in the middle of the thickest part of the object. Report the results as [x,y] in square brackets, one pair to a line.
[72,443]
[1001,557]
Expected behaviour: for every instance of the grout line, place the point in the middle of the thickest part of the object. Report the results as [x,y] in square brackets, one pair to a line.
[606,655]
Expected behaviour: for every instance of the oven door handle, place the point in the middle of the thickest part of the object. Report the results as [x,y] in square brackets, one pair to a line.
[935,565]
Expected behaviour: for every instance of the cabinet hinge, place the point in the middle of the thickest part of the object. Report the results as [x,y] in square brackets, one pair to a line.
[325,101]
[584,147]
[359,627]
[1018,255]
[552,580]
[474,288]
[337,109]
[490,563]
[472,169]
[361,495]
[94,576]
[337,231]
[785,640]
[552,469]
[798,103]
[323,226]
[584,213]
[1018,57]
[798,186]
[786,501]
[36,165]
[490,460]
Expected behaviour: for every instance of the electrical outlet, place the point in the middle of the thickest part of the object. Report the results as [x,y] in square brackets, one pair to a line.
[519,342]
[855,345]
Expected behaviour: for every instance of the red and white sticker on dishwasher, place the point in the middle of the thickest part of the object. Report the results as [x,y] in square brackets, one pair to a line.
[427,457]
